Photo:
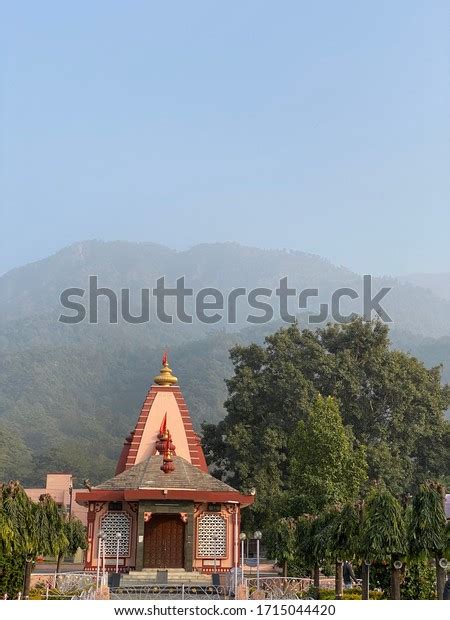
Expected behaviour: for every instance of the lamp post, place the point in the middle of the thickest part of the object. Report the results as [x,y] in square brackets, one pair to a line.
[104,562]
[257,536]
[118,537]
[100,536]
[70,500]
[242,538]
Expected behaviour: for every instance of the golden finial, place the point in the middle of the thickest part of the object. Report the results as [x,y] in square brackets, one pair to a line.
[165,376]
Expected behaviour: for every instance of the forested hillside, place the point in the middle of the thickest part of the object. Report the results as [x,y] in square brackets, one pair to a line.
[69,394]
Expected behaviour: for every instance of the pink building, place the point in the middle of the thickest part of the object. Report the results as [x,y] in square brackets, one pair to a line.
[60,487]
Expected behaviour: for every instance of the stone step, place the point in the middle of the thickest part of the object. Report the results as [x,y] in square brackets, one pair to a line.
[169,576]
[136,586]
[134,582]
[173,576]
[150,571]
[146,584]
[169,580]
[186,576]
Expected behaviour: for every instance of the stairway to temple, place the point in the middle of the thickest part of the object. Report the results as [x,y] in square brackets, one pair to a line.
[149,576]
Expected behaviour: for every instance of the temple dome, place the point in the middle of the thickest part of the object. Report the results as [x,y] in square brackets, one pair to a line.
[165,376]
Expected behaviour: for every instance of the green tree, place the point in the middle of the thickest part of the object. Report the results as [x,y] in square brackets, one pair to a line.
[32,528]
[49,534]
[313,548]
[75,534]
[383,536]
[394,406]
[326,467]
[19,513]
[343,538]
[427,528]
[307,551]
[282,542]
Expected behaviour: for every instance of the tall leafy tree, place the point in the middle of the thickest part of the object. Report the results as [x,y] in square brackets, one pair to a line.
[50,537]
[75,534]
[282,542]
[427,528]
[332,535]
[326,467]
[32,529]
[20,513]
[343,537]
[310,553]
[313,541]
[383,536]
[392,403]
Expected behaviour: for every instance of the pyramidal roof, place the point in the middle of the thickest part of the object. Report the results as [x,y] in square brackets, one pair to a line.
[148,481]
[164,407]
[148,475]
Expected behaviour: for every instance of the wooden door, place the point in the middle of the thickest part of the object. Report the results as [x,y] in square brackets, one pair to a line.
[164,542]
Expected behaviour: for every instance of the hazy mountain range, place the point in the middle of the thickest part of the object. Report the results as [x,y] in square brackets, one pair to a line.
[437,283]
[70,393]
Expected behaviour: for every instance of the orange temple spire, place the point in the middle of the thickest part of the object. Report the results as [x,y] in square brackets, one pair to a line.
[163,407]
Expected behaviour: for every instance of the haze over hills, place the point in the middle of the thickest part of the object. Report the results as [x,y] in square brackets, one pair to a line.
[70,393]
[438,283]
[34,290]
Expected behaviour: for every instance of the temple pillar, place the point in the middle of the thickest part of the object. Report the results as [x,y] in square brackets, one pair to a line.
[140,537]
[189,540]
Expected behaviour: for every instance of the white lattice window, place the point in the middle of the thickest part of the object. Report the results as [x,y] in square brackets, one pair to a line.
[212,536]
[112,523]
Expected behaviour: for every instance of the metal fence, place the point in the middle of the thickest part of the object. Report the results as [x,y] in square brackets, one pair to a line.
[82,586]
[57,586]
[181,592]
[79,586]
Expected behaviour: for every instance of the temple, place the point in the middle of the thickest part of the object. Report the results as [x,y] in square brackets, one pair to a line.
[163,509]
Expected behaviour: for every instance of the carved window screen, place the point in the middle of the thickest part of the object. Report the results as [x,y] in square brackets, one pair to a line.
[212,536]
[112,523]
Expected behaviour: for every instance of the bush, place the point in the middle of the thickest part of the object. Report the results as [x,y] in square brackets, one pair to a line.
[352,594]
[39,593]
[299,568]
[419,582]
[11,575]
[380,576]
[325,594]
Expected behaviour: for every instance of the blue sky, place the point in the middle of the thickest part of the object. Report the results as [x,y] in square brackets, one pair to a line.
[321,127]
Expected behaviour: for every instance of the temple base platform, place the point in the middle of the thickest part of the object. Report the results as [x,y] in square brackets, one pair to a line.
[170,576]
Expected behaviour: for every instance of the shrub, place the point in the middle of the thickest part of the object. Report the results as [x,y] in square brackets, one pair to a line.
[351,594]
[11,575]
[420,581]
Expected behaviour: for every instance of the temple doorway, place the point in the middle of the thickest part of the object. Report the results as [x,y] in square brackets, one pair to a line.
[164,541]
